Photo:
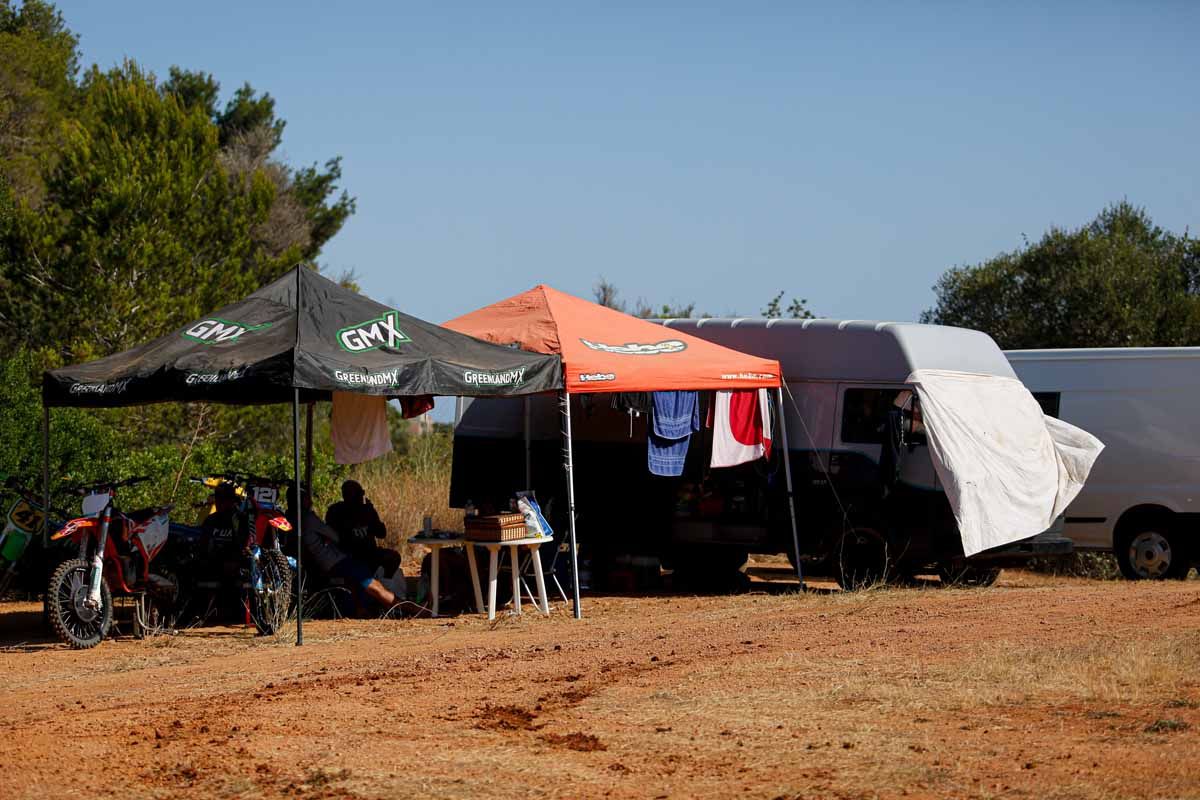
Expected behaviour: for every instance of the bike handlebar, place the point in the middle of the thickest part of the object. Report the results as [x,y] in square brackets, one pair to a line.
[243,478]
[31,498]
[88,488]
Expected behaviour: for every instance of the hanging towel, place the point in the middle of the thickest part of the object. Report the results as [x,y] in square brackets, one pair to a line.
[676,415]
[741,423]
[359,427]
[415,405]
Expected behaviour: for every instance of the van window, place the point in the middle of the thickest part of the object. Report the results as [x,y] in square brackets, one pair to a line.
[1049,401]
[865,414]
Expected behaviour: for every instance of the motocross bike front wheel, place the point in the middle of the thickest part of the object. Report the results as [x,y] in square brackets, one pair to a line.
[75,621]
[272,599]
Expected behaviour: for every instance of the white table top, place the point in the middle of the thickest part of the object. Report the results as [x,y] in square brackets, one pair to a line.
[435,541]
[510,542]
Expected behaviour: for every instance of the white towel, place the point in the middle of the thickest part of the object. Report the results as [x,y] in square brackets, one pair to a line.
[741,423]
[359,427]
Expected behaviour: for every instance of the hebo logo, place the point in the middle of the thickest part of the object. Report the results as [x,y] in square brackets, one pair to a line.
[374,333]
[215,331]
[664,347]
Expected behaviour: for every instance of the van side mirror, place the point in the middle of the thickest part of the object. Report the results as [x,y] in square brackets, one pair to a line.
[914,426]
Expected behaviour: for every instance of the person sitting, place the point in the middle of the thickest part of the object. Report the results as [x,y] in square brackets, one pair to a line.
[220,534]
[359,526]
[322,548]
[219,529]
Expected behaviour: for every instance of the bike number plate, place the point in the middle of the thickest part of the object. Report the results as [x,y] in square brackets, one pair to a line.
[24,517]
[266,495]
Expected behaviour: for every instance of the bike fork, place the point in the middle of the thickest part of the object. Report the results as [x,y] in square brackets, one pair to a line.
[97,572]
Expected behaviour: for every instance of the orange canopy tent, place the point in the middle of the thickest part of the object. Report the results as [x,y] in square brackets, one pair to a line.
[604,350]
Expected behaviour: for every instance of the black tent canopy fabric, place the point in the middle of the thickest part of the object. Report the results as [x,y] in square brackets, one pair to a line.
[302,332]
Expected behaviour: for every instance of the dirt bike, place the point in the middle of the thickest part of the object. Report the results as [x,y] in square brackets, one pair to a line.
[269,573]
[115,552]
[21,550]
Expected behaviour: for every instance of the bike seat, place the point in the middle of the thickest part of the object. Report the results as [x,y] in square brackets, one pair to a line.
[142,514]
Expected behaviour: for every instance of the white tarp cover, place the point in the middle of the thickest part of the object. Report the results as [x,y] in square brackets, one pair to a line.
[1007,469]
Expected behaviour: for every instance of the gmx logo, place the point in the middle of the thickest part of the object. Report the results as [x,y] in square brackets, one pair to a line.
[214,331]
[374,333]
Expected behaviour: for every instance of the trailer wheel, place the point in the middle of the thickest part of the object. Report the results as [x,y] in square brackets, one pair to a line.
[1151,551]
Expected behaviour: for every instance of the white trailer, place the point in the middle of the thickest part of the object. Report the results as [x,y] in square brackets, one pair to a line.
[1142,500]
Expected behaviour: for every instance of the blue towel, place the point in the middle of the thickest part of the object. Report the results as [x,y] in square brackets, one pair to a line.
[666,456]
[676,416]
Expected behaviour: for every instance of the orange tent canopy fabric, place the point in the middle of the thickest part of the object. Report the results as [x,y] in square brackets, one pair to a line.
[604,350]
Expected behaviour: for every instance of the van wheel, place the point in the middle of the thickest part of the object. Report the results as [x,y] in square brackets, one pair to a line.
[1151,552]
[862,559]
[967,575]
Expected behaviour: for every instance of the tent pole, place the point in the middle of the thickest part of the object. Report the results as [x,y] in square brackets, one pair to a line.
[308,446]
[569,467]
[45,476]
[299,514]
[528,459]
[787,471]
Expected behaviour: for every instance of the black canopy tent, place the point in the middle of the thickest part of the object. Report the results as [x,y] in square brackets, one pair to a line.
[297,340]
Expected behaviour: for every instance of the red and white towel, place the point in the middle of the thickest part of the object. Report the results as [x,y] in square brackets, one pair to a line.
[741,423]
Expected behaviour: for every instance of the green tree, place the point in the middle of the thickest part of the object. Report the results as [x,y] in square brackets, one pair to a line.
[608,295]
[193,90]
[1119,281]
[39,62]
[309,209]
[141,228]
[797,309]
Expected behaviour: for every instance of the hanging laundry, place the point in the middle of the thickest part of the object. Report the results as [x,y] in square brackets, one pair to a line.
[633,404]
[415,405]
[359,427]
[636,402]
[741,423]
[675,417]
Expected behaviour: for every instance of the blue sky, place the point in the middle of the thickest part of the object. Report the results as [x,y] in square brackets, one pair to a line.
[715,153]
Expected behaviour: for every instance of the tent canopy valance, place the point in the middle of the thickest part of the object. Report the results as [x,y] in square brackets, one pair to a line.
[304,332]
[604,350]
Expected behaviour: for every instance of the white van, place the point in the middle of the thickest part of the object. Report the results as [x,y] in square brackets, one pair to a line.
[863,507]
[1142,500]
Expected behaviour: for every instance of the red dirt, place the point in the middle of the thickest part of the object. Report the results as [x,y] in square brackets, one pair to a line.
[1037,688]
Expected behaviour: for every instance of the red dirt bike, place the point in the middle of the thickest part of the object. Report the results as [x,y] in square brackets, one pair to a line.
[268,573]
[115,554]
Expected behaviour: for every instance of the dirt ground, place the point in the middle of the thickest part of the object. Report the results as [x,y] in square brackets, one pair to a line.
[1036,687]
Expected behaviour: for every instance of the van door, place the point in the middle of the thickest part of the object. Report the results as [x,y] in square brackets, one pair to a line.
[909,507]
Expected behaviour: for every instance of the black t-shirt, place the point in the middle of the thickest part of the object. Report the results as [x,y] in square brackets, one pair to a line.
[220,532]
[358,526]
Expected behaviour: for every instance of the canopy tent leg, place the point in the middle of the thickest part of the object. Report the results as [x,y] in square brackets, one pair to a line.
[299,515]
[787,471]
[564,399]
[45,477]
[528,458]
[308,446]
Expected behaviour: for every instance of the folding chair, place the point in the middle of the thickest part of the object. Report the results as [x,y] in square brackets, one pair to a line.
[549,572]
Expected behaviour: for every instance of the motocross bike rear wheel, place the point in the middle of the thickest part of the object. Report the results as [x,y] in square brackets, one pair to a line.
[73,620]
[271,604]
[156,611]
